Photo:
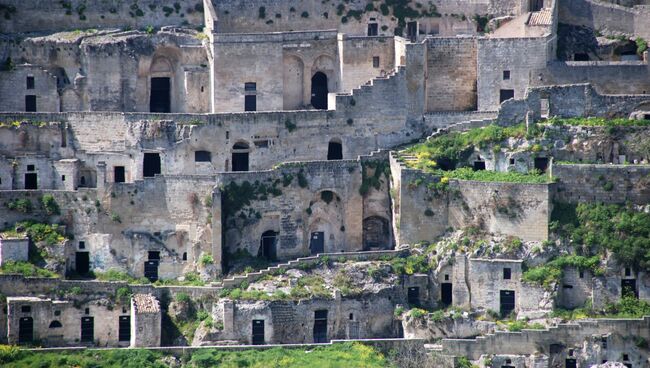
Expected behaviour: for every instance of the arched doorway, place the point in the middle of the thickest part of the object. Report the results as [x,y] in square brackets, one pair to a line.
[268,243]
[160,84]
[335,150]
[319,91]
[240,156]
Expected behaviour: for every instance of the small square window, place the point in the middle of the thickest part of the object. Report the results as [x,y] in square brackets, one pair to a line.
[62,177]
[446,277]
[375,61]
[506,75]
[87,311]
[30,167]
[26,309]
[507,273]
[626,357]
[57,313]
[628,271]
[512,161]
[582,274]
[82,245]
[30,82]
[250,87]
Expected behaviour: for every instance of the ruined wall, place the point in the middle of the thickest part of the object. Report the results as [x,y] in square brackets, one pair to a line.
[622,77]
[291,323]
[589,183]
[14,89]
[451,74]
[46,15]
[521,210]
[571,335]
[518,56]
[338,216]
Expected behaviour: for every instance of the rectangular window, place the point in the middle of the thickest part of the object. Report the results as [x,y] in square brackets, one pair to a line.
[30,167]
[119,174]
[202,156]
[373,29]
[582,274]
[30,103]
[30,82]
[507,273]
[506,75]
[375,61]
[250,87]
[82,245]
[26,309]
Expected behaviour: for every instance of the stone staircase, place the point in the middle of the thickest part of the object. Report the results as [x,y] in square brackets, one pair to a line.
[235,281]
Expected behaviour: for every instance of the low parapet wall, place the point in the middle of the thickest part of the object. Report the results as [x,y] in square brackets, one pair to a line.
[602,183]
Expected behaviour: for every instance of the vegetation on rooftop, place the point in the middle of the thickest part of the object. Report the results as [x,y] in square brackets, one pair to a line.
[26,269]
[626,307]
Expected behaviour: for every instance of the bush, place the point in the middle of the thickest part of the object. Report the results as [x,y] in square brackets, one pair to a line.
[417,313]
[26,269]
[206,259]
[20,205]
[182,298]
[304,14]
[49,205]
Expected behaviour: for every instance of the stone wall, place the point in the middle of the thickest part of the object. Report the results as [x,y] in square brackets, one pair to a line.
[357,61]
[13,89]
[46,15]
[622,77]
[570,335]
[451,74]
[13,249]
[591,183]
[606,17]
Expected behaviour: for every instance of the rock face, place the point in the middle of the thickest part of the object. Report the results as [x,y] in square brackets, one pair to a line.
[453,328]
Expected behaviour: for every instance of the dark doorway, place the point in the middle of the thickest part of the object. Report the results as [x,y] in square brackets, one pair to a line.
[258,332]
[87,329]
[412,31]
[160,100]
[151,164]
[320,327]
[536,5]
[124,332]
[376,233]
[479,165]
[506,94]
[250,103]
[414,296]
[240,157]
[506,302]
[541,163]
[319,91]
[570,363]
[82,263]
[30,103]
[581,56]
[118,171]
[628,288]
[151,270]
[335,151]
[31,181]
[446,293]
[268,245]
[373,29]
[25,330]
[317,242]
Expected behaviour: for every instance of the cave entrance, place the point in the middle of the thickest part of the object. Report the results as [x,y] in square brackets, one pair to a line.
[446,293]
[479,165]
[160,99]
[570,363]
[506,302]
[319,91]
[151,164]
[541,164]
[413,296]
[320,327]
[258,332]
[82,263]
[317,242]
[628,288]
[268,245]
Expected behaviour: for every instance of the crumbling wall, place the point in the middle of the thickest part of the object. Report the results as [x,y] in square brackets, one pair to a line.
[358,54]
[605,17]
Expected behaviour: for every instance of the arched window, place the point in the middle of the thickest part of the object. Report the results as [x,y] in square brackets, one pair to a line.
[319,91]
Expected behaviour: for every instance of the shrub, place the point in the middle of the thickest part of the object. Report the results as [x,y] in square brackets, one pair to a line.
[182,298]
[116,218]
[399,311]
[304,14]
[25,269]
[291,126]
[302,180]
[123,294]
[49,205]
[206,259]
[417,313]
[641,45]
[20,205]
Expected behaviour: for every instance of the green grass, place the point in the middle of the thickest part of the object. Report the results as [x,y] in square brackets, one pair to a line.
[350,355]
[49,233]
[466,173]
[25,269]
[552,271]
[597,122]
[627,307]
